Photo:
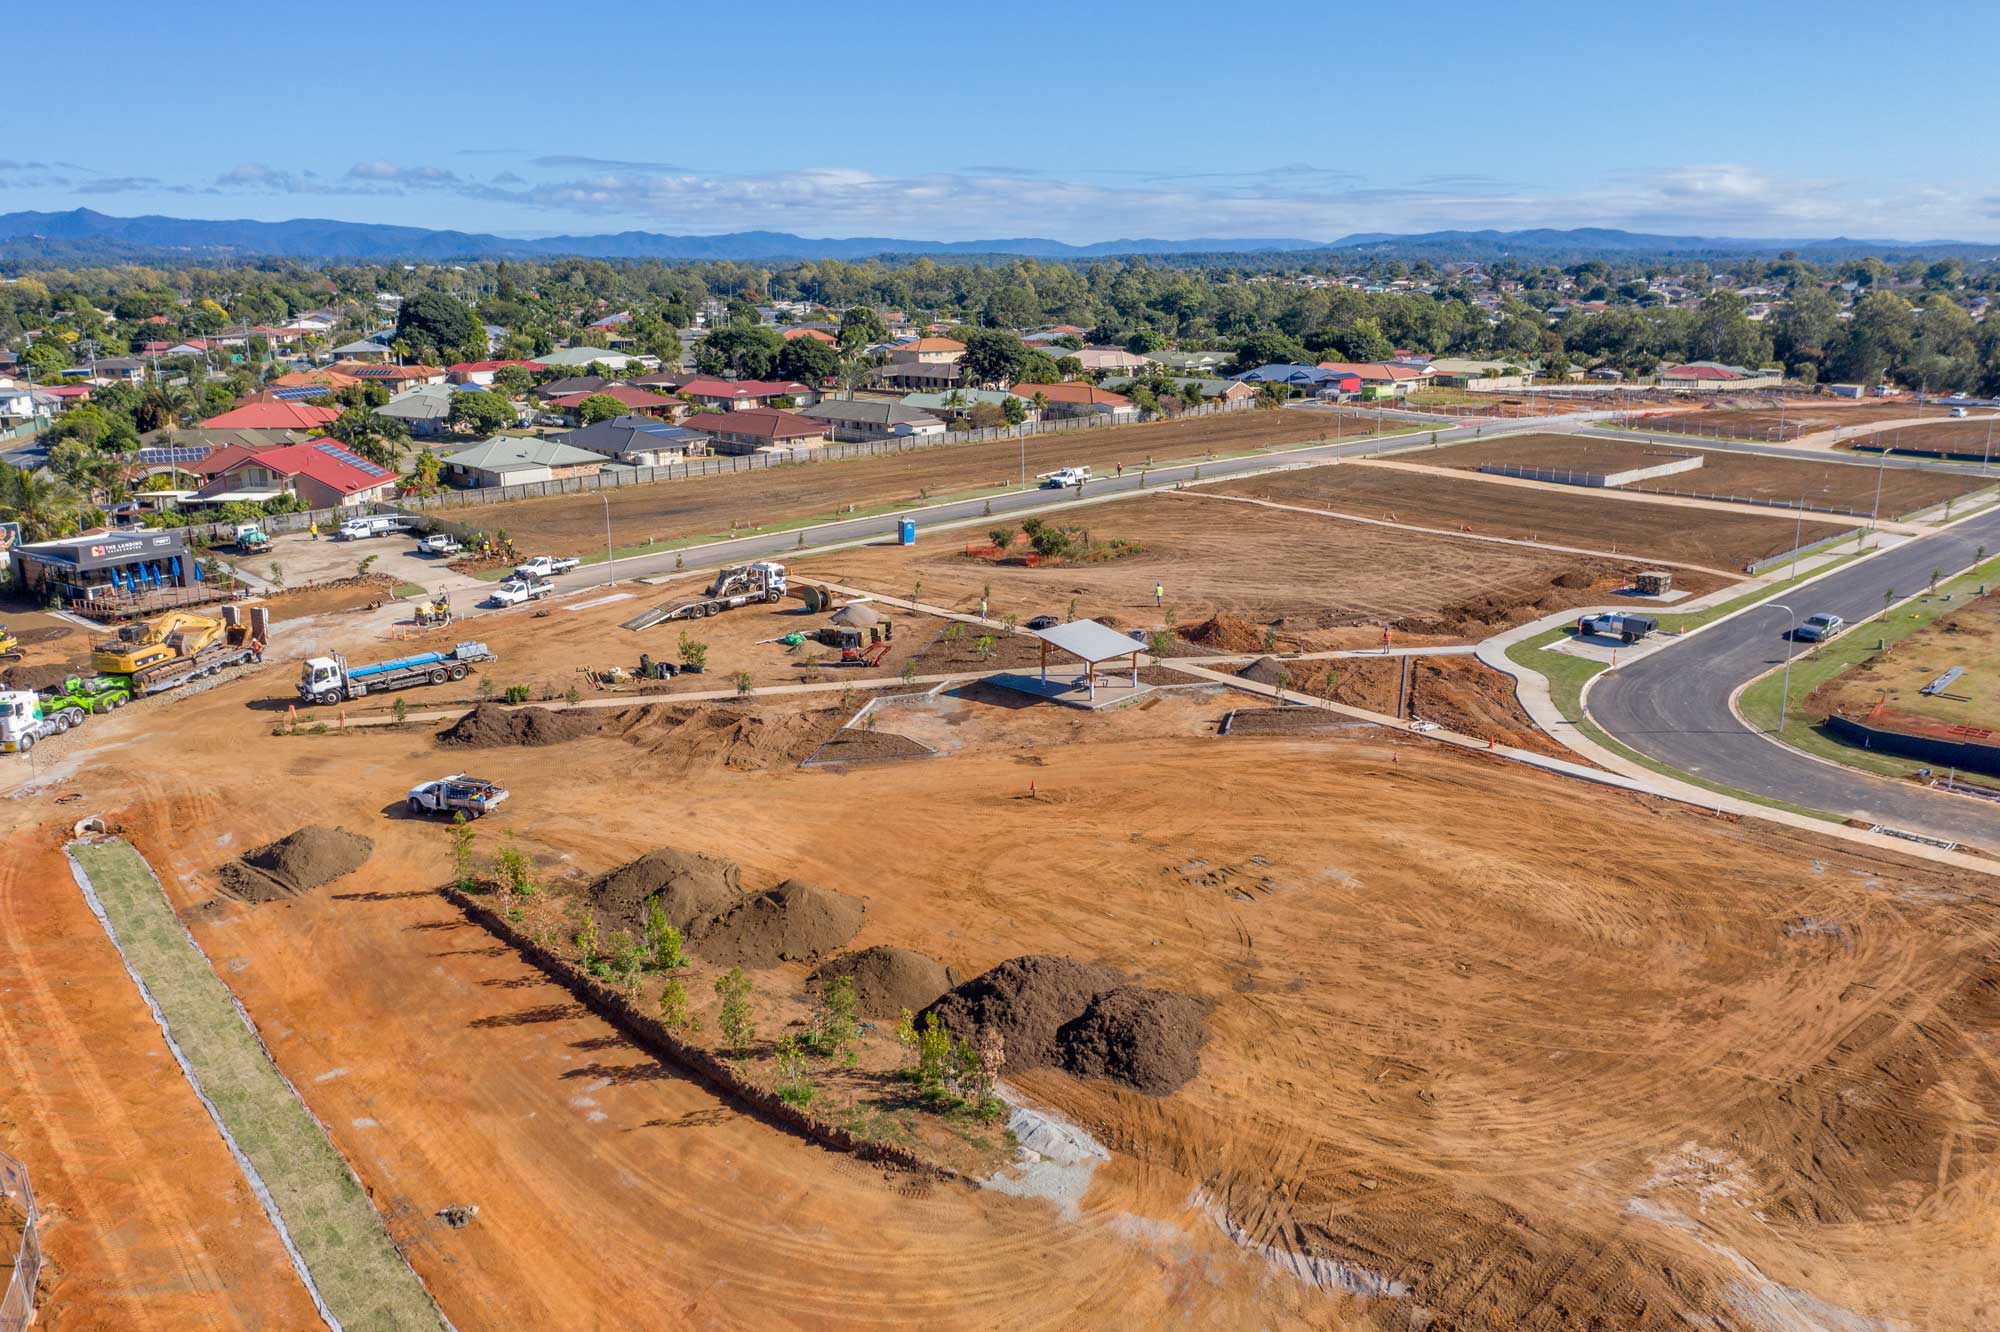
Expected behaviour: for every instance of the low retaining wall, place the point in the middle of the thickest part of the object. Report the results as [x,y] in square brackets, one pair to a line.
[1602,480]
[1759,566]
[1970,755]
[652,1034]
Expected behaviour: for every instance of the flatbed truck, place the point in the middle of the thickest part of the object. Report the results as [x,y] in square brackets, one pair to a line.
[328,680]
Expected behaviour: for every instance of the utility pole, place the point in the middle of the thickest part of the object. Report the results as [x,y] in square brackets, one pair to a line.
[607,529]
[1791,642]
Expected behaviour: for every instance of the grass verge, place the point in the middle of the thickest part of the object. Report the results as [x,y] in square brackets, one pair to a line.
[354,1263]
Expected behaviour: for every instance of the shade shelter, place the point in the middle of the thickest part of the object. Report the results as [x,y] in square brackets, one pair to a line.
[1093,643]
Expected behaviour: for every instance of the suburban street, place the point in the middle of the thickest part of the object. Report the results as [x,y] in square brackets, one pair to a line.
[1673,704]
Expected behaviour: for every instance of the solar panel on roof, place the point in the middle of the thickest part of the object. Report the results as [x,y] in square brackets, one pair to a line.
[188,453]
[301,391]
[362,465]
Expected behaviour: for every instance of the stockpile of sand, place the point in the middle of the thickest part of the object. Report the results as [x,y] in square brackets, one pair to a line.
[889,980]
[1058,1012]
[793,922]
[858,744]
[293,865]
[1226,633]
[687,886]
[490,726]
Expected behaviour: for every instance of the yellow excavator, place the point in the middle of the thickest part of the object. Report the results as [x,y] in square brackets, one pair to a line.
[10,645]
[151,644]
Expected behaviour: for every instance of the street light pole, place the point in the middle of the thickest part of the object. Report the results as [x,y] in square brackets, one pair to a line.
[1791,642]
[1875,516]
[1798,535]
[607,529]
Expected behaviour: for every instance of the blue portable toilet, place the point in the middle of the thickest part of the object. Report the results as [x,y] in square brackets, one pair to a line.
[906,532]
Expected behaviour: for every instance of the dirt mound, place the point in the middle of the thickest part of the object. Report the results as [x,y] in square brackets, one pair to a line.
[1148,1039]
[1057,1012]
[793,922]
[293,865]
[740,739]
[1268,670]
[888,980]
[45,676]
[490,726]
[858,744]
[1027,1000]
[1225,633]
[687,886]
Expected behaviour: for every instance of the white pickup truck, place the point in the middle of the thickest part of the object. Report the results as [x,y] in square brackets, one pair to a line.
[516,591]
[546,566]
[440,543]
[456,794]
[1064,477]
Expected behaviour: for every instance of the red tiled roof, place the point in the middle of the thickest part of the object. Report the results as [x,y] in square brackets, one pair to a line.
[273,416]
[763,422]
[1372,369]
[624,393]
[66,391]
[1699,370]
[816,334]
[929,345]
[1073,393]
[309,459]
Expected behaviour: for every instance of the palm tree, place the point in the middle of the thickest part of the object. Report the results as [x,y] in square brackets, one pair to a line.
[43,505]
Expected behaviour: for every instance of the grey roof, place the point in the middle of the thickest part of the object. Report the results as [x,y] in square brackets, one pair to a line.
[360,347]
[1089,640]
[504,453]
[868,411]
[584,356]
[967,397]
[623,435]
[1190,360]
[429,402]
[556,388]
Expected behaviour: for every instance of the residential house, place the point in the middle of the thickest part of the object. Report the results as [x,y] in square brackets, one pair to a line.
[424,410]
[916,377]
[482,372]
[633,400]
[1105,360]
[392,377]
[583,357]
[1212,390]
[107,371]
[873,418]
[1381,379]
[568,384]
[363,349]
[755,429]
[816,334]
[513,460]
[1477,376]
[1078,399]
[1192,362]
[327,381]
[735,395]
[927,351]
[955,403]
[1713,376]
[1305,377]
[274,416]
[638,441]
[322,472]
[21,402]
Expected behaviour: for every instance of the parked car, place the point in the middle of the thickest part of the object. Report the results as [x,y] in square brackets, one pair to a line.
[1064,477]
[440,543]
[1617,624]
[515,591]
[1958,411]
[373,525]
[1818,628]
[546,566]
[1043,622]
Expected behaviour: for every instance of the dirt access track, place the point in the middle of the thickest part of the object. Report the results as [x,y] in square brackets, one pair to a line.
[1653,1070]
[1833,485]
[712,505]
[1298,571]
[1572,516]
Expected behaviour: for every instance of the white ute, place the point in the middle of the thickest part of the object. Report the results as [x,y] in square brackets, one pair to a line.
[1064,477]
[456,794]
[440,543]
[546,566]
[516,591]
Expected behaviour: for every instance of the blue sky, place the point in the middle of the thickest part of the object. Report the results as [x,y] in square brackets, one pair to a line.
[1079,122]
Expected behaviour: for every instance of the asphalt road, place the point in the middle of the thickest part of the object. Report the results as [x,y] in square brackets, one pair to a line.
[1673,704]
[778,544]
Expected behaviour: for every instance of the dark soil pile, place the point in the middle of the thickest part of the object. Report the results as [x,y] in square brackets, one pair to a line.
[1268,670]
[687,886]
[793,922]
[688,736]
[46,676]
[1148,1039]
[1225,633]
[309,858]
[889,980]
[491,726]
[857,744]
[1057,1012]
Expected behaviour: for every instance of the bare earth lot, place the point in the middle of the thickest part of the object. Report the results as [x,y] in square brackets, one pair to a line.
[1968,637]
[708,505]
[1842,485]
[1570,518]
[1297,571]
[1973,435]
[1739,1077]
[1808,415]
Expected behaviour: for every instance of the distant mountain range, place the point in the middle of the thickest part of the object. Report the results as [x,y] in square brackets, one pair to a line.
[81,235]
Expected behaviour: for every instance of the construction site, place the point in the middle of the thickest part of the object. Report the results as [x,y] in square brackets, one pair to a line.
[1139,908]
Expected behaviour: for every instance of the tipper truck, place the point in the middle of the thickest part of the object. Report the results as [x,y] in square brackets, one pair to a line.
[181,646]
[25,718]
[327,680]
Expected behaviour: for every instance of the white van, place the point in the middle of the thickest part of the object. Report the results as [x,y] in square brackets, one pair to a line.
[374,525]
